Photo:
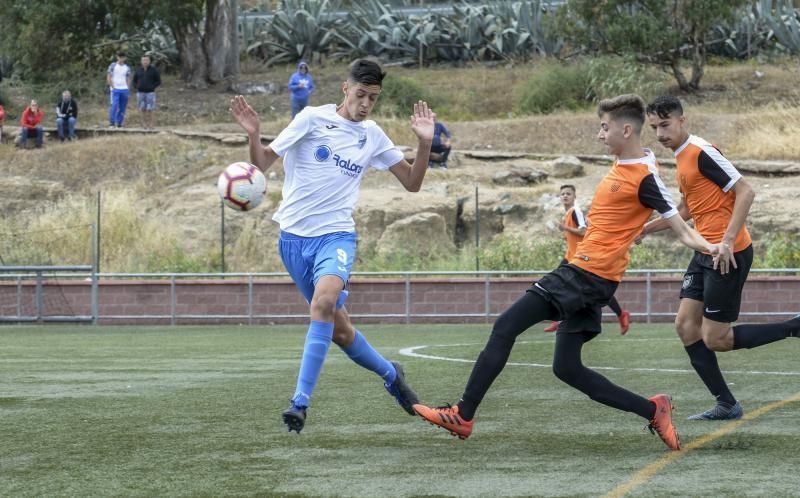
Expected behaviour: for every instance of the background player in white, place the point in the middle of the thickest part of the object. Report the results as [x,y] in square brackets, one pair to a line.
[326,152]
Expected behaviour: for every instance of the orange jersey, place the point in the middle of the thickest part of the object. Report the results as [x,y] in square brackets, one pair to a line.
[573,218]
[622,204]
[705,179]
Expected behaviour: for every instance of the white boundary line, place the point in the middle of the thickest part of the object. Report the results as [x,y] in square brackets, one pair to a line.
[412,352]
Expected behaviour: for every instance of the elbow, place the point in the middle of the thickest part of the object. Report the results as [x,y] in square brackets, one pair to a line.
[413,188]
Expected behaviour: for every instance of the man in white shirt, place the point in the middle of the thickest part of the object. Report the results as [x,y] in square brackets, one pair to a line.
[326,152]
[118,78]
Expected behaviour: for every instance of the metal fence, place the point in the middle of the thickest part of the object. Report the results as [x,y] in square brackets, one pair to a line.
[41,274]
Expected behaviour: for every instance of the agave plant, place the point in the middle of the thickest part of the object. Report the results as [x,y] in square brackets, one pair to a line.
[783,19]
[299,29]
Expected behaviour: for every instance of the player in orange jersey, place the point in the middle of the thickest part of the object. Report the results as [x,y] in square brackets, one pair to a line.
[575,292]
[718,198]
[573,224]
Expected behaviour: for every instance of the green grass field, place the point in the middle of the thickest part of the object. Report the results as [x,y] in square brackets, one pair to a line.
[195,411]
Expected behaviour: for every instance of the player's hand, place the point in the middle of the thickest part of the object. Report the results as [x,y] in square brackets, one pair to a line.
[639,238]
[245,115]
[723,257]
[422,121]
[560,225]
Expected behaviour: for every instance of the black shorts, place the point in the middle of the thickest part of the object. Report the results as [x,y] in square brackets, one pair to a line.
[578,296]
[720,294]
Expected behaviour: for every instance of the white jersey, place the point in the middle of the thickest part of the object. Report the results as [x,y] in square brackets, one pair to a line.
[119,75]
[325,156]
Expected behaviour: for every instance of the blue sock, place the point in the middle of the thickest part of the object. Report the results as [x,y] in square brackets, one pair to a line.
[365,355]
[318,340]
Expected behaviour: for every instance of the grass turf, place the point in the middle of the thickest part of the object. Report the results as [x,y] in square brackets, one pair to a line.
[195,411]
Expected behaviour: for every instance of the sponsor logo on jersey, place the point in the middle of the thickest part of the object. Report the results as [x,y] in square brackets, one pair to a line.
[322,153]
[362,140]
[331,127]
[347,167]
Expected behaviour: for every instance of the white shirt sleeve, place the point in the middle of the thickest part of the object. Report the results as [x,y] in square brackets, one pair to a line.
[386,154]
[297,129]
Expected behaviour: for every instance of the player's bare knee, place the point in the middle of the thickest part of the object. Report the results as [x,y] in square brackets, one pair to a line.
[688,329]
[343,335]
[323,306]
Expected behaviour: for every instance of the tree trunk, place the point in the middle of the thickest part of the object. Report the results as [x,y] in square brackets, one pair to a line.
[221,41]
[675,65]
[698,60]
[193,59]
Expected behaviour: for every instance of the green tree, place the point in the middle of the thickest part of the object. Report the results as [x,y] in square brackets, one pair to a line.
[661,32]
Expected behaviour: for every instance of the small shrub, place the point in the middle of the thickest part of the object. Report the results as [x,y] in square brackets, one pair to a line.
[555,86]
[399,94]
[782,251]
[612,76]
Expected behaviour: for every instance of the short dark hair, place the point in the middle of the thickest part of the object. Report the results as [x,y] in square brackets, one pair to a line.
[665,106]
[567,186]
[121,54]
[366,72]
[624,107]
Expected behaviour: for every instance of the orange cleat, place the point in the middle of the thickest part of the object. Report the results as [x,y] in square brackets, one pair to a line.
[624,322]
[662,421]
[552,327]
[447,418]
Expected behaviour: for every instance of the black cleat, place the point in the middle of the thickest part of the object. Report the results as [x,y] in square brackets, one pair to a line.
[402,392]
[721,411]
[295,417]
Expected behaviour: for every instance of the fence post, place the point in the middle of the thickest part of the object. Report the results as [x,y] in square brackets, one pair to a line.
[172,300]
[249,299]
[487,306]
[39,295]
[19,297]
[649,294]
[408,298]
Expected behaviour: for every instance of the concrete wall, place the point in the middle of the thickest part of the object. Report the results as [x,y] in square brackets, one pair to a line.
[454,300]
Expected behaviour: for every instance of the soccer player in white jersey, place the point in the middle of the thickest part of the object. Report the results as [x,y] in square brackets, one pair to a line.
[326,152]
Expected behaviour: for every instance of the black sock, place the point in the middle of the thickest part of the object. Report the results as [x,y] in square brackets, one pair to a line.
[529,310]
[568,367]
[754,335]
[705,364]
[614,305]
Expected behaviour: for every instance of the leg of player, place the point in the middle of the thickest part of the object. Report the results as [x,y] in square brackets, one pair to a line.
[689,325]
[623,316]
[318,340]
[358,349]
[749,336]
[529,310]
[568,366]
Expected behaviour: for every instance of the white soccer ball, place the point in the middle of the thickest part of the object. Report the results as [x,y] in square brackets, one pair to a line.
[242,186]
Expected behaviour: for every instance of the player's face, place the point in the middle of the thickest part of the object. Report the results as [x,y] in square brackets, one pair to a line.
[670,131]
[567,196]
[359,100]
[612,134]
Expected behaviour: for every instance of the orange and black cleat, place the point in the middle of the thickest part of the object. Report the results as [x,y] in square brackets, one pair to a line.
[662,422]
[447,418]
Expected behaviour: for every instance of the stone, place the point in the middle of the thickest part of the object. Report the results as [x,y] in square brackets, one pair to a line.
[519,176]
[420,235]
[567,167]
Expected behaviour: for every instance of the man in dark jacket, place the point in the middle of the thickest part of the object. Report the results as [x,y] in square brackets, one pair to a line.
[66,114]
[145,81]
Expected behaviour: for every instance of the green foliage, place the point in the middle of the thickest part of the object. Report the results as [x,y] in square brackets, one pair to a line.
[610,76]
[399,94]
[782,251]
[783,21]
[511,253]
[555,86]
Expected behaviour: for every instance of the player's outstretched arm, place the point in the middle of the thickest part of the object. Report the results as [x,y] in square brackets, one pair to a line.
[247,117]
[422,124]
[722,253]
[660,224]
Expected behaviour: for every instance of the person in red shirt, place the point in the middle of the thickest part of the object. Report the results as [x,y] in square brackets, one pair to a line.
[32,124]
[716,196]
[575,292]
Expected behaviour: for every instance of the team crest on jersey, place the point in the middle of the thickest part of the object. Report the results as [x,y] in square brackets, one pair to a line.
[615,187]
[362,140]
[322,153]
[687,281]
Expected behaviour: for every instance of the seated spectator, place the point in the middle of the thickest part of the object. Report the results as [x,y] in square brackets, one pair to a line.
[441,144]
[32,124]
[66,113]
[2,118]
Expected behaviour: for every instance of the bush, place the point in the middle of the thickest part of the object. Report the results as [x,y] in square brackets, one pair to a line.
[555,86]
[782,251]
[399,94]
[612,76]
[511,253]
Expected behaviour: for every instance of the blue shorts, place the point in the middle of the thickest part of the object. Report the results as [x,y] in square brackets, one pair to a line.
[146,101]
[307,259]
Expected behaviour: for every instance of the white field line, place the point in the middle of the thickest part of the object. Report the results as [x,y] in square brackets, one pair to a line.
[412,352]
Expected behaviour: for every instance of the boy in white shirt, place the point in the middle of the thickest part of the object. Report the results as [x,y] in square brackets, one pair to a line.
[326,152]
[118,78]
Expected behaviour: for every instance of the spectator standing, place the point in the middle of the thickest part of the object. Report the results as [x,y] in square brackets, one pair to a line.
[441,143]
[32,124]
[119,79]
[301,86]
[66,114]
[2,119]
[145,81]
